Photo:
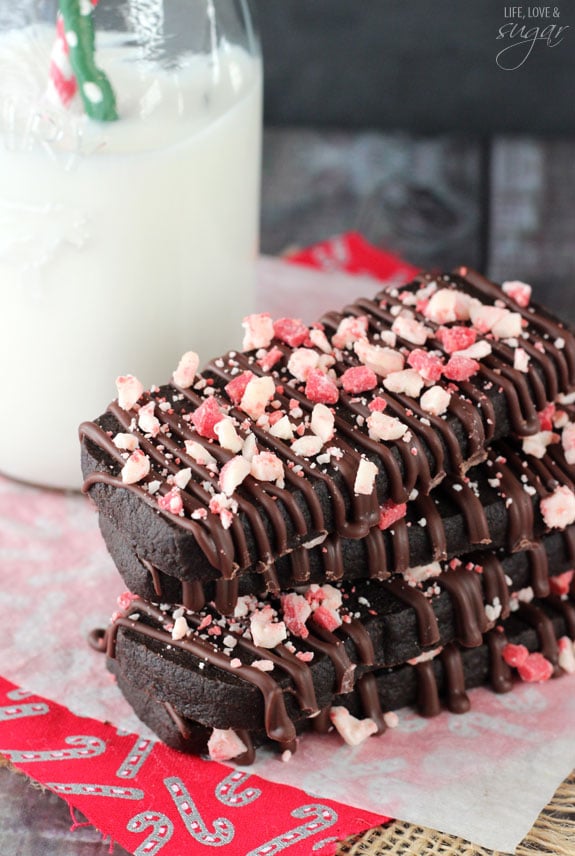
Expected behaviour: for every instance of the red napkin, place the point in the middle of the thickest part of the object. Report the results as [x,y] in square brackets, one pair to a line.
[149,798]
[351,253]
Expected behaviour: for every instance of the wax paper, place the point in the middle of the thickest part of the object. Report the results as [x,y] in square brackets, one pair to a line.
[484,776]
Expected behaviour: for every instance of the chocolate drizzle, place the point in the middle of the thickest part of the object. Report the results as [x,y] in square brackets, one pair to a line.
[427,626]
[469,612]
[454,676]
[472,509]
[494,582]
[428,703]
[539,565]
[273,521]
[367,689]
[533,614]
[500,674]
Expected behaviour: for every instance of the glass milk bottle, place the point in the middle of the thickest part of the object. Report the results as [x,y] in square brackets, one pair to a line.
[129,191]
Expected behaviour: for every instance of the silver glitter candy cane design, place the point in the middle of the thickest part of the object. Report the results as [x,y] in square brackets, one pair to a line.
[20,711]
[162,829]
[317,818]
[224,830]
[88,747]
[135,759]
[228,791]
[87,790]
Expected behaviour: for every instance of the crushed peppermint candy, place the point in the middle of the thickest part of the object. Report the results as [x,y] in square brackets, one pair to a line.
[358,379]
[320,388]
[130,390]
[518,291]
[292,331]
[365,477]
[557,509]
[435,400]
[322,422]
[206,417]
[354,731]
[224,744]
[257,395]
[187,369]
[136,467]
[259,331]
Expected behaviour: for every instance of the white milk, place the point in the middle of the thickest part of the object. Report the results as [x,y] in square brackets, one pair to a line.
[119,257]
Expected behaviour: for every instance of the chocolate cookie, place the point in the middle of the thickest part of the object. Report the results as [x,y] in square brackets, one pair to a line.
[499,503]
[313,431]
[278,661]
[546,627]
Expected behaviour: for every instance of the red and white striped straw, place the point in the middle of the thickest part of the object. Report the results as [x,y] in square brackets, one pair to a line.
[63,85]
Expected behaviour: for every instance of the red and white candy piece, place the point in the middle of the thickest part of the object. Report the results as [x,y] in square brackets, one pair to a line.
[327,617]
[383,427]
[130,389]
[224,744]
[200,455]
[296,610]
[206,417]
[456,338]
[180,629]
[521,360]
[322,422]
[354,731]
[320,388]
[237,386]
[185,374]
[227,435]
[518,291]
[147,420]
[172,501]
[233,473]
[282,429]
[435,400]
[406,382]
[460,368]
[496,320]
[259,331]
[561,583]
[429,366]
[365,477]
[257,395]
[536,444]
[441,307]
[307,446]
[568,442]
[350,329]
[292,331]
[558,509]
[358,379]
[382,360]
[390,512]
[125,442]
[267,633]
[266,466]
[136,468]
[301,362]
[411,330]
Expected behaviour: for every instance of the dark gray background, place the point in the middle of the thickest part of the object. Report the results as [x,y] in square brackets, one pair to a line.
[425,66]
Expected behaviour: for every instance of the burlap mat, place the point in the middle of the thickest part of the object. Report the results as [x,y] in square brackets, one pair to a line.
[553,834]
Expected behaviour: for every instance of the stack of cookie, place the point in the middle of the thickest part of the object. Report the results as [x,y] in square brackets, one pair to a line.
[342,519]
